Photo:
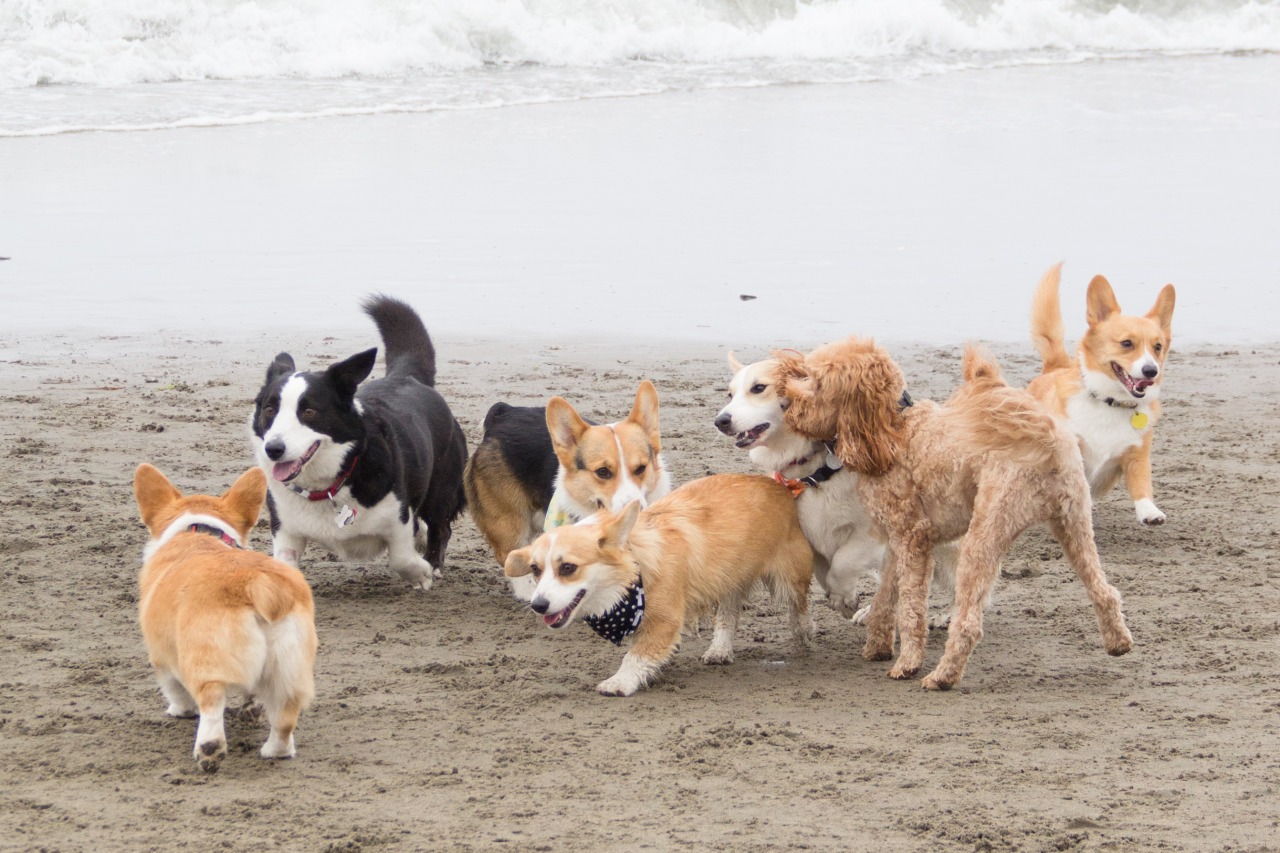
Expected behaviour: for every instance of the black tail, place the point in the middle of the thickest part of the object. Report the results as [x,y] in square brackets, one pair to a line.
[405,340]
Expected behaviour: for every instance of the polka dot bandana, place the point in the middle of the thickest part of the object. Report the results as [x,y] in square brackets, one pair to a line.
[624,619]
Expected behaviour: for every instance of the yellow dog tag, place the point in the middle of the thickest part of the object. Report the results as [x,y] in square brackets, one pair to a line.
[1139,420]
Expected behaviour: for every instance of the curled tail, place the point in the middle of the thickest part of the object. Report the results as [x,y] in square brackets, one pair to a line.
[405,340]
[1046,322]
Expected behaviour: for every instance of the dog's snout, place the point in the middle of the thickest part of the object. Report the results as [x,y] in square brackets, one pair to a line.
[540,604]
[1150,371]
[274,449]
[724,423]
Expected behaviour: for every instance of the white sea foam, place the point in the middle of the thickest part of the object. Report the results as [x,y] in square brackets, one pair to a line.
[143,64]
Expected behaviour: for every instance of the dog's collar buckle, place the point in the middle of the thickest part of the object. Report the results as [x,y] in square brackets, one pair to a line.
[226,537]
[623,619]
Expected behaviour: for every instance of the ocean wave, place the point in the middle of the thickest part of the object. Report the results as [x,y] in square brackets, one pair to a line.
[120,42]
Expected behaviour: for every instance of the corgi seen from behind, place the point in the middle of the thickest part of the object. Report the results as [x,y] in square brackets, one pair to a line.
[217,617]
[539,469]
[1109,392]
[653,572]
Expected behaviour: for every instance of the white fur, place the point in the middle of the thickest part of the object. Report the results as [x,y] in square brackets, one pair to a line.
[1105,432]
[634,673]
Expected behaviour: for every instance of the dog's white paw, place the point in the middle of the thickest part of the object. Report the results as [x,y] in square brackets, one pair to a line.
[617,686]
[860,615]
[1148,512]
[278,747]
[421,576]
[717,656]
[209,755]
[847,606]
[176,709]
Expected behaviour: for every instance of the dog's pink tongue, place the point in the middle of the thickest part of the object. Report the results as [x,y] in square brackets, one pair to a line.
[1142,384]
[550,619]
[283,471]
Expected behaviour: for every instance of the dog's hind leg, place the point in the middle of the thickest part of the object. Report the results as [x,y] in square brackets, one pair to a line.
[1073,528]
[728,609]
[284,719]
[793,577]
[181,703]
[880,619]
[211,737]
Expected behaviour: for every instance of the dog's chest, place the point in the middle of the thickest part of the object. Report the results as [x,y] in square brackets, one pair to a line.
[364,534]
[831,513]
[1105,433]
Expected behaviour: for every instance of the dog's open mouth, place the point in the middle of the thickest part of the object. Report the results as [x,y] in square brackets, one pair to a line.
[1136,387]
[558,619]
[286,471]
[751,436]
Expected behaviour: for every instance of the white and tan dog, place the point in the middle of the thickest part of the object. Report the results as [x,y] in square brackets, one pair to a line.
[217,617]
[653,572]
[845,545]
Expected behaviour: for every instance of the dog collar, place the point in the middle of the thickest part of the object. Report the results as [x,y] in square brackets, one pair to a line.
[623,619]
[214,531]
[326,494]
[1113,402]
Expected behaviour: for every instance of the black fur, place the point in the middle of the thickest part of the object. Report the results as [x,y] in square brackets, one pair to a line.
[521,434]
[407,441]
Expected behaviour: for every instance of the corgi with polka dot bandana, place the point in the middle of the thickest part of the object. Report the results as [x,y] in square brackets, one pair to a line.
[648,574]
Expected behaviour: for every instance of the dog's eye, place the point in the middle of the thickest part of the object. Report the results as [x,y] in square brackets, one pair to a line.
[533,568]
[640,469]
[1127,344]
[758,388]
[604,473]
[308,414]
[1159,347]
[268,412]
[567,569]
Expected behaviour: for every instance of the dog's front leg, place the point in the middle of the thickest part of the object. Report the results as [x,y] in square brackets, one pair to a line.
[404,559]
[655,642]
[860,556]
[288,547]
[1136,464]
[915,568]
[880,619]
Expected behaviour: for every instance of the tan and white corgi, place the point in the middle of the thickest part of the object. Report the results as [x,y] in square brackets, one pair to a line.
[218,617]
[651,572]
[1110,391]
[537,469]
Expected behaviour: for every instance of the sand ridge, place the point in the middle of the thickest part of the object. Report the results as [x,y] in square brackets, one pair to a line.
[453,720]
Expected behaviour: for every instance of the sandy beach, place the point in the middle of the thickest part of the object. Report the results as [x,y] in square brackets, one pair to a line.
[453,720]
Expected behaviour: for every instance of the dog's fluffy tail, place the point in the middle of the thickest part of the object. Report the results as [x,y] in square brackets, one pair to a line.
[1000,418]
[405,340]
[1046,322]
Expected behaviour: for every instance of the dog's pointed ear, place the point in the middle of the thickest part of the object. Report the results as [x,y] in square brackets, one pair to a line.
[281,366]
[243,501]
[644,413]
[566,427]
[615,529]
[518,563]
[1162,311]
[347,374]
[734,363]
[153,492]
[1100,302]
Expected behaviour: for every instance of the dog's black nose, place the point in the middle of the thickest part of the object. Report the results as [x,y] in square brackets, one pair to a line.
[1150,371]
[724,423]
[274,449]
[540,605]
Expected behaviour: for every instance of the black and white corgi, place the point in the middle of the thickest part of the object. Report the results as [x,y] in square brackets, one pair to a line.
[360,469]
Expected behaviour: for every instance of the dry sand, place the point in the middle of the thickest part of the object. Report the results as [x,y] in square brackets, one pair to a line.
[453,720]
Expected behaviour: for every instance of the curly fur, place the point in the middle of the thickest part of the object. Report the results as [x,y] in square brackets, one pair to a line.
[981,469]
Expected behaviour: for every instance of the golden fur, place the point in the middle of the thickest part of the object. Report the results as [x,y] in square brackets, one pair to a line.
[984,467]
[701,547]
[216,617]
[1064,382]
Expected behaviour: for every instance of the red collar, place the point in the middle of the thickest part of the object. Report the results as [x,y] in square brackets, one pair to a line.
[214,531]
[326,494]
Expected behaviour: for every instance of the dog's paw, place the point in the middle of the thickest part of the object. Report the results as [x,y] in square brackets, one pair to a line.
[715,657]
[933,681]
[847,606]
[278,747]
[901,673]
[877,651]
[421,576]
[1119,642]
[181,711]
[617,686]
[1148,513]
[251,712]
[940,621]
[209,754]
